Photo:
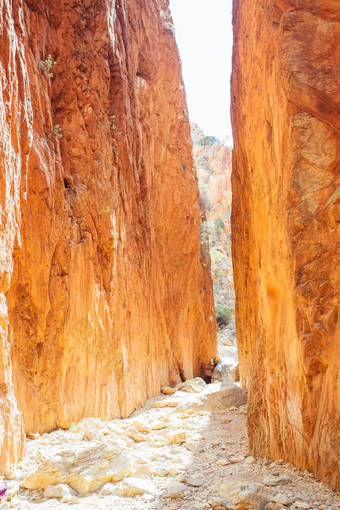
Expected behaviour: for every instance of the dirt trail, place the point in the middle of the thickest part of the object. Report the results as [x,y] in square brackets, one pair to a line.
[163,474]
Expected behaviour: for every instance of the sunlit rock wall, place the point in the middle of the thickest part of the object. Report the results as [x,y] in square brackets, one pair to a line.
[106,294]
[286,248]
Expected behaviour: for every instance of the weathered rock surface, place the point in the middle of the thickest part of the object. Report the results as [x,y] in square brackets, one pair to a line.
[176,490]
[236,374]
[222,372]
[85,471]
[57,491]
[105,295]
[285,113]
[161,475]
[192,385]
[243,495]
[132,487]
[217,396]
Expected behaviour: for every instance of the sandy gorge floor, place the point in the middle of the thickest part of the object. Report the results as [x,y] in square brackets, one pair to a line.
[171,476]
[182,451]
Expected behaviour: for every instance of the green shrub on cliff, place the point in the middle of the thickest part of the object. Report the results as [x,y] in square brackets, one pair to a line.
[207,140]
[46,65]
[223,315]
[219,227]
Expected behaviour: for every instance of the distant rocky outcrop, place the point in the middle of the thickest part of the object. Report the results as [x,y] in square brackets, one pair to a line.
[213,163]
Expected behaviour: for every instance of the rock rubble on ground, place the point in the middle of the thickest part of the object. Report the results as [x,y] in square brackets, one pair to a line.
[192,456]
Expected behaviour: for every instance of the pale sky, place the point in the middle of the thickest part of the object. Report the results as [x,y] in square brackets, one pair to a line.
[204,37]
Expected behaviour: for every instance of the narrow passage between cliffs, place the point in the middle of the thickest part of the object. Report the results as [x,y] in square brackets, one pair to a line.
[186,448]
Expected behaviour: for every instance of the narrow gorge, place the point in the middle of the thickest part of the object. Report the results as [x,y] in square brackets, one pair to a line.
[126,234]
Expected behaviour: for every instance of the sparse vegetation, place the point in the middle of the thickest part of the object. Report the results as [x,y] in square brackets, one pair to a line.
[207,140]
[204,232]
[219,227]
[109,124]
[105,210]
[223,315]
[216,255]
[112,123]
[81,50]
[57,131]
[46,65]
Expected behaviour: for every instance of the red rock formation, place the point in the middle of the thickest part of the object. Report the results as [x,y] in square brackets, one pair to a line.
[213,162]
[285,109]
[105,295]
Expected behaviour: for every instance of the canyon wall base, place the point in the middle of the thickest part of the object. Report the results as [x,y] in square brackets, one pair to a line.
[286,230]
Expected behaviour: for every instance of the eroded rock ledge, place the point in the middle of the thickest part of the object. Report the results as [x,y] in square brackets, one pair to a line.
[285,109]
[105,294]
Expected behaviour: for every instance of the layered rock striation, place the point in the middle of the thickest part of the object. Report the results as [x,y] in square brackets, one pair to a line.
[105,291]
[285,113]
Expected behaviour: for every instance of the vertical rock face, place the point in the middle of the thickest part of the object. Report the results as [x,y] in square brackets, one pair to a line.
[285,93]
[105,294]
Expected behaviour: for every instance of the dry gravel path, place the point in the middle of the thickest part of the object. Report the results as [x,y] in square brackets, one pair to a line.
[166,475]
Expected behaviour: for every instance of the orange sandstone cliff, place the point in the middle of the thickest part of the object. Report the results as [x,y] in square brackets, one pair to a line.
[105,292]
[286,231]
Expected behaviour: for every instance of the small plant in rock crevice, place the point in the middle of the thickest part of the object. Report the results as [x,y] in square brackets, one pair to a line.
[57,131]
[112,122]
[104,210]
[109,124]
[81,50]
[46,66]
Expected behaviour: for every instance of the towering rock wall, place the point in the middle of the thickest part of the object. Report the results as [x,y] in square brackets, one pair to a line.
[285,112]
[105,294]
